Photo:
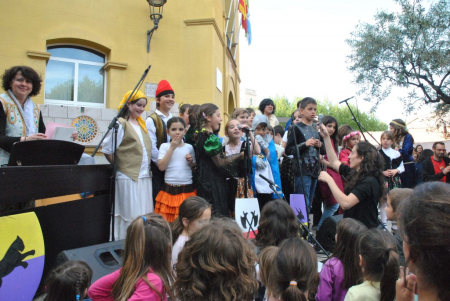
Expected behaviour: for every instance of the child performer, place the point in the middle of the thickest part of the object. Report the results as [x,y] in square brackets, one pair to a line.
[378,259]
[348,142]
[296,118]
[241,115]
[184,112]
[330,203]
[278,133]
[134,152]
[404,144]
[156,124]
[265,164]
[341,271]
[308,145]
[146,273]
[251,115]
[176,159]
[235,146]
[393,167]
[395,197]
[213,168]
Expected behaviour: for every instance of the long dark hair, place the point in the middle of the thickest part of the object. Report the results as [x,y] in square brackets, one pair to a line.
[191,209]
[400,130]
[426,153]
[216,263]
[425,225]
[277,223]
[296,261]
[148,245]
[371,165]
[330,119]
[205,110]
[68,280]
[348,230]
[380,260]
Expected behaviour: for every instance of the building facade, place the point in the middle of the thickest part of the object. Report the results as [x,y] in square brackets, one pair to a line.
[89,53]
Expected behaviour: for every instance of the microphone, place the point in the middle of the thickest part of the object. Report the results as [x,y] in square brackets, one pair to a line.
[320,120]
[345,100]
[270,182]
[246,129]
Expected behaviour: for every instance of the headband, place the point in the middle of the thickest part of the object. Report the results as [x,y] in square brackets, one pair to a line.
[137,95]
[398,124]
[346,137]
[180,105]
[294,283]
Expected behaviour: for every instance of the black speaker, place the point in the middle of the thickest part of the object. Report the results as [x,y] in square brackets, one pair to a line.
[327,232]
[103,259]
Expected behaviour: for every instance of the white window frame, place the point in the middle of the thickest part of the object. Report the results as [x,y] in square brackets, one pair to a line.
[75,101]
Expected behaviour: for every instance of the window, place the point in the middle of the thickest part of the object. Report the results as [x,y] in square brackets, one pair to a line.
[251,101]
[75,76]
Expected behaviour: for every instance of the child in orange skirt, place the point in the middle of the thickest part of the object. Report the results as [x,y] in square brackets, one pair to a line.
[176,158]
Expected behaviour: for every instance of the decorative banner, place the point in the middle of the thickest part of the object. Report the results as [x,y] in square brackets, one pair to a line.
[247,216]
[22,256]
[298,204]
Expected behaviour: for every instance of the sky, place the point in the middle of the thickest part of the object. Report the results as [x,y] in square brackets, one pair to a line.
[298,49]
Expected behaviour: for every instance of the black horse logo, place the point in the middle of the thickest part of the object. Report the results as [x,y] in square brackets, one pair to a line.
[14,258]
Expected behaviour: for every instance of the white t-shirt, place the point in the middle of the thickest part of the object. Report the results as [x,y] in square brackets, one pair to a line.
[177,247]
[178,171]
[108,149]
[285,136]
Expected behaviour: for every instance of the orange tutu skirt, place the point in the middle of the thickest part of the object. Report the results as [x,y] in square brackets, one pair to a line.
[168,201]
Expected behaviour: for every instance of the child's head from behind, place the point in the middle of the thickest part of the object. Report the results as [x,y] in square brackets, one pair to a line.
[296,270]
[232,130]
[208,116]
[240,114]
[193,112]
[308,108]
[347,233]
[269,131]
[216,263]
[67,281]
[194,213]
[176,126]
[267,261]
[277,222]
[387,139]
[148,245]
[425,225]
[379,260]
[395,198]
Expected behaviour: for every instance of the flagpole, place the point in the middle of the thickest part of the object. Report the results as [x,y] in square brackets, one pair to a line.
[234,22]
[229,13]
[237,41]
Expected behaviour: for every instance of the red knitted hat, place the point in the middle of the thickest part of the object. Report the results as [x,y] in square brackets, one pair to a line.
[164,88]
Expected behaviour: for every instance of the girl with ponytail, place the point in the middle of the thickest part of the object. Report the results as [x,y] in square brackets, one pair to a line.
[378,259]
[194,213]
[146,273]
[296,270]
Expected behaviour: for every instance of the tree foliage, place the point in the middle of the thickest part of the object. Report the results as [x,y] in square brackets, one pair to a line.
[284,108]
[410,49]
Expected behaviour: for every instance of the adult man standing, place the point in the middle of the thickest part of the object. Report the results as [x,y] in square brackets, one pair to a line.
[437,167]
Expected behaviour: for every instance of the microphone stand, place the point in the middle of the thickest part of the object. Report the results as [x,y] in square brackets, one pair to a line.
[305,229]
[115,126]
[247,163]
[359,124]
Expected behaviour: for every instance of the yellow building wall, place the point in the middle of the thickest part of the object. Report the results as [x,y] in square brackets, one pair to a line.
[187,48]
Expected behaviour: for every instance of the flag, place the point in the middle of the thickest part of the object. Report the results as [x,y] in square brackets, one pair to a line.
[248,31]
[243,10]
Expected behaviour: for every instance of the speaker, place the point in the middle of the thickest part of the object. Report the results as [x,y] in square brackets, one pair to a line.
[103,258]
[327,232]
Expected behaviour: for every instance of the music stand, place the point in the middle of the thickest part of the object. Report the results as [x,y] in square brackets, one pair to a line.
[45,152]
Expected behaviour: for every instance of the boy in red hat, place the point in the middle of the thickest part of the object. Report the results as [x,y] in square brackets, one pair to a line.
[156,125]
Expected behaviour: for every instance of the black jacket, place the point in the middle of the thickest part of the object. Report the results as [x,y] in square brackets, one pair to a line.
[429,173]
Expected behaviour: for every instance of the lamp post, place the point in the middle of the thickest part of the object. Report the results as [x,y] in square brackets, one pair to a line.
[156,11]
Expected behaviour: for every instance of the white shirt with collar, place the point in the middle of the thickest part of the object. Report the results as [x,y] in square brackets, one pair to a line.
[150,124]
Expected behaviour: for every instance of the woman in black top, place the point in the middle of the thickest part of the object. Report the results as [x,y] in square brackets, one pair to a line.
[364,181]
